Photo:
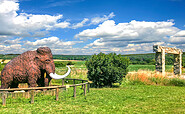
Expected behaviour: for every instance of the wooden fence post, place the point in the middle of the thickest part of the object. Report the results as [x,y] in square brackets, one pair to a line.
[88,86]
[62,81]
[32,96]
[74,93]
[73,81]
[85,89]
[57,93]
[4,98]
[82,85]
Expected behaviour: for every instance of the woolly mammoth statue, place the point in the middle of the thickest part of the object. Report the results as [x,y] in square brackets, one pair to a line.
[30,67]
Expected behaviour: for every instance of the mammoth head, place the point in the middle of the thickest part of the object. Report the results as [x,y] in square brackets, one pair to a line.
[45,61]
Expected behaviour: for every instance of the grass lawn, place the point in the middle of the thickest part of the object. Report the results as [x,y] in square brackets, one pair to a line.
[131,68]
[124,99]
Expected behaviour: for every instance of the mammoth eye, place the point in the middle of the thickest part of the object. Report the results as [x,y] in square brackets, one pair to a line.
[47,60]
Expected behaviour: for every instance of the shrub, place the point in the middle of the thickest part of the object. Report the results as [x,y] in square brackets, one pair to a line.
[63,63]
[59,64]
[104,70]
[70,63]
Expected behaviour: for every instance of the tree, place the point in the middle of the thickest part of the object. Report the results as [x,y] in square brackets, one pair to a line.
[104,70]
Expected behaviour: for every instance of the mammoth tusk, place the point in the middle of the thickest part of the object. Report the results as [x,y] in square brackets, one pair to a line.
[56,76]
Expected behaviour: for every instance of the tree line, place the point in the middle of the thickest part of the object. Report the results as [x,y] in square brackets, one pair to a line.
[135,59]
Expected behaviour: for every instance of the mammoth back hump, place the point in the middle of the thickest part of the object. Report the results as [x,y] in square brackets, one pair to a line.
[21,61]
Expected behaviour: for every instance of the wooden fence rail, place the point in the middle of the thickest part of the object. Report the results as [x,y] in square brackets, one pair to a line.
[32,90]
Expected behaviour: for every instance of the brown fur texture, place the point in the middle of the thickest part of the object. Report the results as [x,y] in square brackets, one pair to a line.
[29,67]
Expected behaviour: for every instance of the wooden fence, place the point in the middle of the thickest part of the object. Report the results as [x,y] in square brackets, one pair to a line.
[32,90]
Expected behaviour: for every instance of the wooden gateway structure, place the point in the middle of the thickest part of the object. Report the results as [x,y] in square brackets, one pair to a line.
[160,58]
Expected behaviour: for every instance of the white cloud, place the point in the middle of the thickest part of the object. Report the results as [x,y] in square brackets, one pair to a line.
[81,24]
[98,20]
[62,25]
[135,31]
[16,41]
[24,24]
[52,42]
[133,37]
[178,38]
[14,48]
[56,45]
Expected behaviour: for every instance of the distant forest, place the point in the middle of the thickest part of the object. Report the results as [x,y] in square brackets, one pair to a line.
[135,59]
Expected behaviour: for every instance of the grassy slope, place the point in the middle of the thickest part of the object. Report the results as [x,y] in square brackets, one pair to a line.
[125,99]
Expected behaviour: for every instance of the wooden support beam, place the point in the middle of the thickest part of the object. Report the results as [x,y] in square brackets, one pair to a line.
[85,90]
[163,61]
[73,81]
[62,81]
[88,87]
[157,48]
[4,98]
[57,93]
[82,85]
[32,96]
[74,93]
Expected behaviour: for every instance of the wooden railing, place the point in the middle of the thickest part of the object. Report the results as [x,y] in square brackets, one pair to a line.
[32,90]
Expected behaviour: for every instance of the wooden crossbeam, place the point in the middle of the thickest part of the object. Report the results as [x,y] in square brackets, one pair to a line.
[158,48]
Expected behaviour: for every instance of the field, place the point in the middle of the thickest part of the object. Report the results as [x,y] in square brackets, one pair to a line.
[126,98]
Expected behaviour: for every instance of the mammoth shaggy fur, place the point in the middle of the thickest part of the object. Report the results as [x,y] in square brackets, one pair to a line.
[29,67]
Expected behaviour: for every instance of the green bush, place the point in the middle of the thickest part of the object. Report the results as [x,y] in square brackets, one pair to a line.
[63,63]
[104,70]
[70,63]
[59,64]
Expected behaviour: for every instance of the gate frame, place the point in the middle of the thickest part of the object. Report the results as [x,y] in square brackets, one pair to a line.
[160,58]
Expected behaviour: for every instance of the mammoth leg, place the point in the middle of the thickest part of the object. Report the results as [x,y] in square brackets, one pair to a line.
[14,85]
[47,80]
[32,83]
[6,81]
[32,77]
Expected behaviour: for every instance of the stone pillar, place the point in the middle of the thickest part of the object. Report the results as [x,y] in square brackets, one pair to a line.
[178,63]
[163,61]
[160,61]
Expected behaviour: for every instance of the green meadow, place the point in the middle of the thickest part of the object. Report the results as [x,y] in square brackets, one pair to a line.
[125,98]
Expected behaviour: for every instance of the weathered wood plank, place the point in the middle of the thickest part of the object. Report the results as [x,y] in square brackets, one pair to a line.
[4,98]
[57,93]
[85,90]
[32,96]
[74,93]
[158,48]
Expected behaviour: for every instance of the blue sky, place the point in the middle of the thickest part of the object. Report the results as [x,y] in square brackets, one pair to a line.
[75,27]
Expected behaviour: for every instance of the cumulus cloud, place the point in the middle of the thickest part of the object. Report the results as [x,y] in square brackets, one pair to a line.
[23,24]
[54,42]
[98,20]
[93,21]
[81,24]
[178,38]
[135,36]
[19,46]
[64,24]
[134,32]
[137,31]
[15,41]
